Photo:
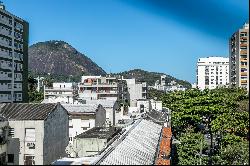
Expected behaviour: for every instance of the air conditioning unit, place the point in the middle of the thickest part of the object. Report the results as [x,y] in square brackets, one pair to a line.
[30,144]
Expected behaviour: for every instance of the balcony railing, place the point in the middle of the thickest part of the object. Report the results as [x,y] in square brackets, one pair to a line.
[243,73]
[243,81]
[243,45]
[243,52]
[243,59]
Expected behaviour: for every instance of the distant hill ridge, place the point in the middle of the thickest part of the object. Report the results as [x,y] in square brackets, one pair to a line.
[150,77]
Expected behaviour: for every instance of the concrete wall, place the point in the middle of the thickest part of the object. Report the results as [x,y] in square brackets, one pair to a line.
[156,105]
[23,149]
[146,103]
[100,118]
[14,148]
[56,135]
[79,125]
[89,146]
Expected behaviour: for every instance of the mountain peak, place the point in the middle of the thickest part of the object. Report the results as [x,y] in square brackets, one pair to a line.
[60,58]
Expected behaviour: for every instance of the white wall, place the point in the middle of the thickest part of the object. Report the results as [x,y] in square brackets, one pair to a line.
[211,64]
[19,132]
[76,124]
[156,105]
[63,85]
[51,138]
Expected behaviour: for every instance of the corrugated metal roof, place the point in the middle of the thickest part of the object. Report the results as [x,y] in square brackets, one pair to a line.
[99,132]
[138,147]
[81,108]
[26,111]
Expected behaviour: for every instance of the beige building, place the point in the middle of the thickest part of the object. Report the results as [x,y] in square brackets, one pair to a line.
[239,57]
[13,57]
[39,133]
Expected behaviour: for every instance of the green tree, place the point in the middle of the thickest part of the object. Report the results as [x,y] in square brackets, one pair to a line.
[221,112]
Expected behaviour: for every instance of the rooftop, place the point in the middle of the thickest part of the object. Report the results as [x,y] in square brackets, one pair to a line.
[81,108]
[26,111]
[99,132]
[158,116]
[136,147]
[75,161]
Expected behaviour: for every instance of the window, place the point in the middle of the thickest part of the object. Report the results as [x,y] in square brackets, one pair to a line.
[30,134]
[10,158]
[29,160]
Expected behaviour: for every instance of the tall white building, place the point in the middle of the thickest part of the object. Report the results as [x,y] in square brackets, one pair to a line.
[212,72]
[13,57]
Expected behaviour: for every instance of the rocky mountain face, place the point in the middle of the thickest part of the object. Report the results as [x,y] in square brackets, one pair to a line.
[60,58]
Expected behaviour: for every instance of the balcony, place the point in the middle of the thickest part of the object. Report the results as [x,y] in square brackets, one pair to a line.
[243,59]
[243,66]
[106,92]
[5,31]
[243,37]
[243,81]
[243,52]
[67,89]
[243,73]
[97,85]
[243,45]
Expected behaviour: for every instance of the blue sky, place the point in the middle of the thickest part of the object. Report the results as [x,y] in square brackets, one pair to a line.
[155,35]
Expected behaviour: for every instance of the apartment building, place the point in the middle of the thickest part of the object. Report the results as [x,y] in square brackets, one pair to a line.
[13,57]
[83,117]
[212,72]
[61,92]
[136,90]
[38,132]
[98,87]
[174,86]
[239,57]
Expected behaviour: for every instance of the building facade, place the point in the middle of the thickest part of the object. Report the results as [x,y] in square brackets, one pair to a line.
[136,90]
[212,72]
[239,57]
[98,87]
[61,92]
[39,133]
[83,117]
[14,34]
[94,140]
[112,110]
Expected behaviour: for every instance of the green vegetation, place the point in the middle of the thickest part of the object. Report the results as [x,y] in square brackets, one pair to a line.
[34,96]
[219,116]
